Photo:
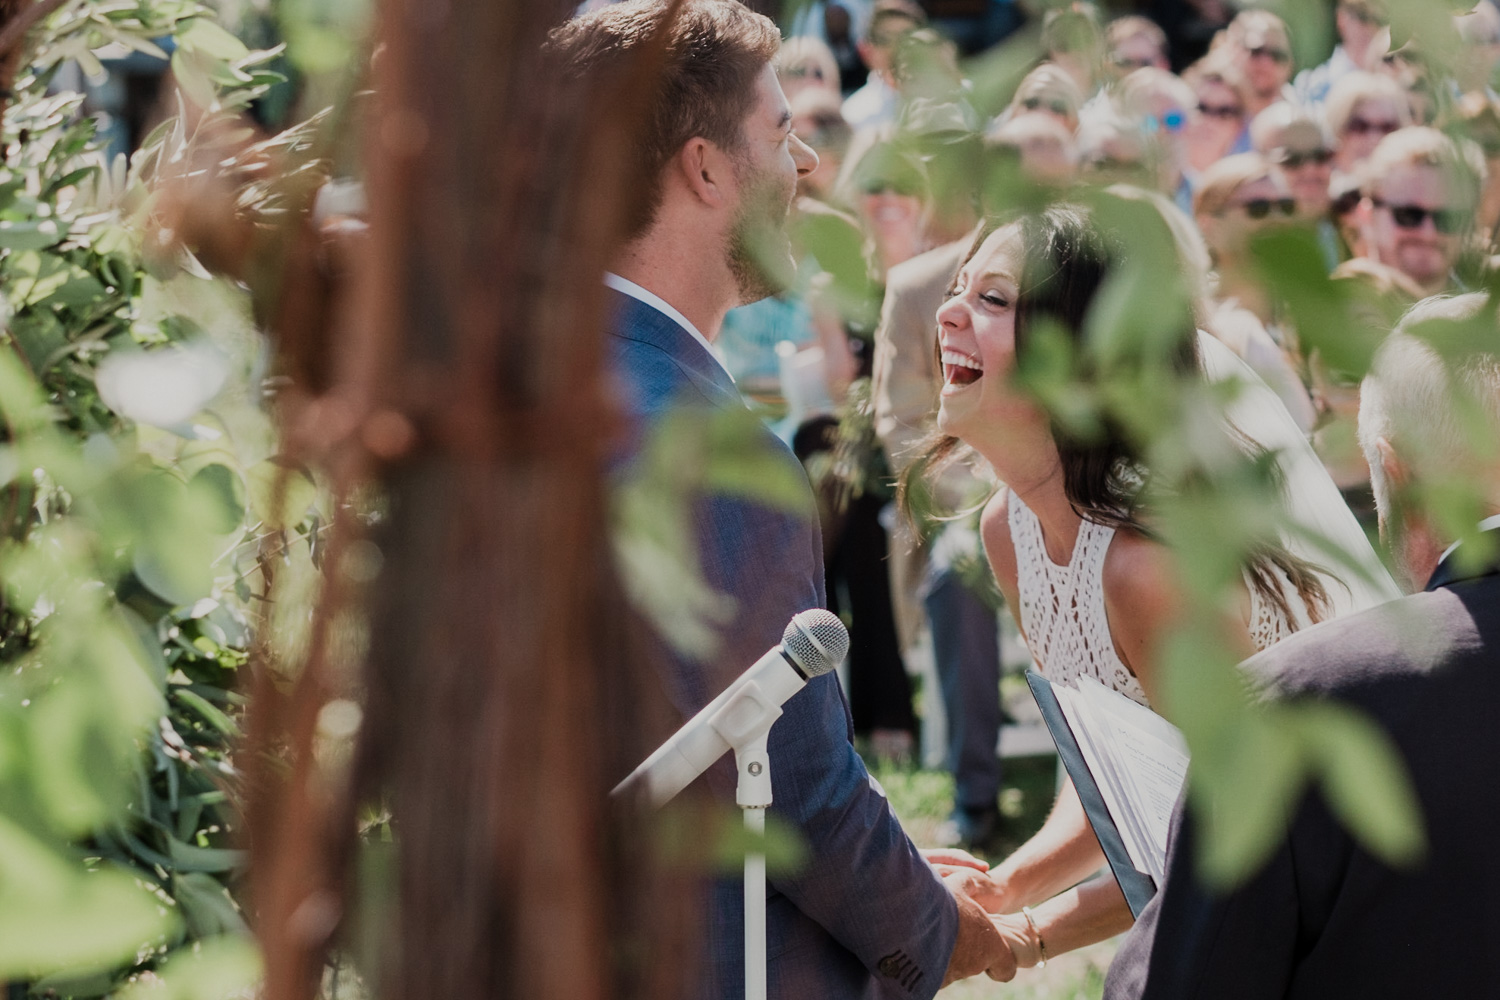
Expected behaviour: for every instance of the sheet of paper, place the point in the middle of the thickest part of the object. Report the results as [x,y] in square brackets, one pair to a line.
[1148,755]
[1093,736]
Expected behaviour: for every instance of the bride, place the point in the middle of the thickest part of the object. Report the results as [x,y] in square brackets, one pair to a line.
[1070,542]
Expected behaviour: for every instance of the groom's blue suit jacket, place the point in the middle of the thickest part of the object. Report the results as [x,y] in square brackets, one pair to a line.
[865,917]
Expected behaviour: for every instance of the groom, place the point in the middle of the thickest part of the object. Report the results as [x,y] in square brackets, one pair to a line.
[866,916]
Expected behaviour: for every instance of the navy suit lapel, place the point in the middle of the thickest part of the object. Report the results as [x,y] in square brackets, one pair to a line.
[1448,572]
[635,320]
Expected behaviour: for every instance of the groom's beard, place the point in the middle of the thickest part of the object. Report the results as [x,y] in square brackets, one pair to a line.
[759,251]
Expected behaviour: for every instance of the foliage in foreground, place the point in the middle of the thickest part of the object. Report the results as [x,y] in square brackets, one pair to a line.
[141,498]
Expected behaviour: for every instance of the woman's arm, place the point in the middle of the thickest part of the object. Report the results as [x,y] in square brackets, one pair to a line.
[1079,917]
[1143,604]
[1063,853]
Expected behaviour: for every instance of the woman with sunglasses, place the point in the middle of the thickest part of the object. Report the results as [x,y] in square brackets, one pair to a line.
[1071,539]
[1238,198]
[1162,104]
[1218,118]
[1050,91]
[1362,109]
[1291,138]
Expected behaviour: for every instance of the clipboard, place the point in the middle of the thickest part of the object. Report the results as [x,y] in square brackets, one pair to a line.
[1137,886]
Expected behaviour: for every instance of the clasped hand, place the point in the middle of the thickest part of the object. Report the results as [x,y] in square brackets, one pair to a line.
[987,941]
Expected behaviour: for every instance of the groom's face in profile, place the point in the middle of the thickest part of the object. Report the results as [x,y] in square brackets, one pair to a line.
[766,170]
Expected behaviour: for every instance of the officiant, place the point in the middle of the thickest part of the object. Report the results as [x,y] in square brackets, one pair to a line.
[1324,918]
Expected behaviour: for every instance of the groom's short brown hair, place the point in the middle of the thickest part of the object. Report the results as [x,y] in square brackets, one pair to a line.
[714,50]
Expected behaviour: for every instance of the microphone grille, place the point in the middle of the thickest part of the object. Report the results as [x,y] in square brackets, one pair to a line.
[817,640]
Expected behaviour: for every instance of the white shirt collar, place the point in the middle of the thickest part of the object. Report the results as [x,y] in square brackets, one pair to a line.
[627,287]
[1485,525]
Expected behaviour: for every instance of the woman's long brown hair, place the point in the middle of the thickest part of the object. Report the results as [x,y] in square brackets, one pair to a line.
[1067,257]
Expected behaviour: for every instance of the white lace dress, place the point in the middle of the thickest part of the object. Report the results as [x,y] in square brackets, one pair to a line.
[1062,607]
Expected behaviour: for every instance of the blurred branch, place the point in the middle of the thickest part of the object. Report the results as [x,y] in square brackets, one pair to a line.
[18,24]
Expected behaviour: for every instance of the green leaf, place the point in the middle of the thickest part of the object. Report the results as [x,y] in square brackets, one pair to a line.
[54,916]
[1246,800]
[191,858]
[211,714]
[1365,781]
[200,34]
[69,179]
[75,767]
[29,235]
[221,496]
[217,969]
[191,75]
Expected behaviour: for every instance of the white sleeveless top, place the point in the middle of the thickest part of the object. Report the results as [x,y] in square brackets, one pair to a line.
[1062,607]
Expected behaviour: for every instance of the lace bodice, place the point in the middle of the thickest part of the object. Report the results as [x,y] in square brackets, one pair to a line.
[1062,607]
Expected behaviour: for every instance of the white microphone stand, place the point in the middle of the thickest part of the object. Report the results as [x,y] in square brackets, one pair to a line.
[740,719]
[753,795]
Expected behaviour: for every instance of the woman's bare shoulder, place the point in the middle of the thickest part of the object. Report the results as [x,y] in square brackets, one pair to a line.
[1142,599]
[1138,570]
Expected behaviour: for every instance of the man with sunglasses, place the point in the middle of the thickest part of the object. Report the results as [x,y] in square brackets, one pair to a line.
[1420,195]
[1262,47]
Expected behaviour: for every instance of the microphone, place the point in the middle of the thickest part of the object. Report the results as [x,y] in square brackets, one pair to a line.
[814,642]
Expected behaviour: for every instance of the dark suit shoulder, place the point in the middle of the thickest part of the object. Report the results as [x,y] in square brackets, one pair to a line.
[1405,638]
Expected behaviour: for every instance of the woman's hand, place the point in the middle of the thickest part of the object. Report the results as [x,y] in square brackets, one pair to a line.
[1021,938]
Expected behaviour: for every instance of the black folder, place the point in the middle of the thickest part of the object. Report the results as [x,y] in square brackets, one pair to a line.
[1137,885]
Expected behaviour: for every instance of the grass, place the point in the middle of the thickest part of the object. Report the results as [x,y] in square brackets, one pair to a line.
[923,799]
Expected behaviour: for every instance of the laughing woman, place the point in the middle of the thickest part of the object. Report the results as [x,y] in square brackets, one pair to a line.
[1092,590]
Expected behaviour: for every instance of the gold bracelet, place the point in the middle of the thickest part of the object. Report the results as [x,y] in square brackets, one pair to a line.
[1041,945]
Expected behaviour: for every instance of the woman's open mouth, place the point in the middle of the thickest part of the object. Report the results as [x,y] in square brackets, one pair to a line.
[960,369]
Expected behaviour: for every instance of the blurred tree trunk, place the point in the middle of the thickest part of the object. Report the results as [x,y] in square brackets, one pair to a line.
[506,688]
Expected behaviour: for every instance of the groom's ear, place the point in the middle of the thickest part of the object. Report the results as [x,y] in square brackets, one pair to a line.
[706,171]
